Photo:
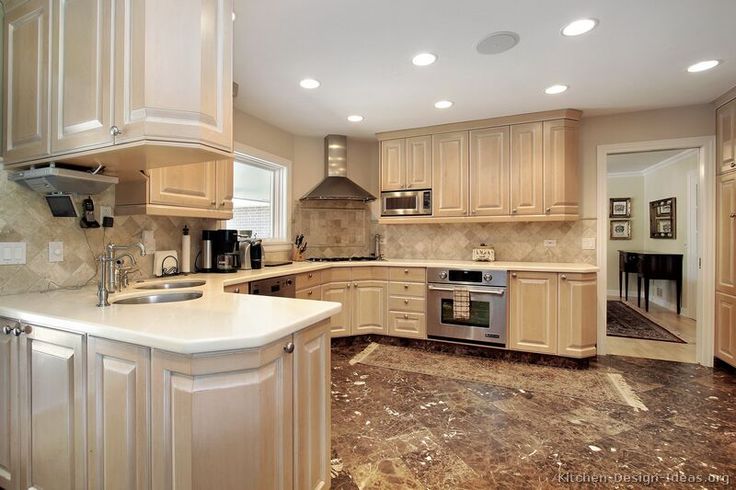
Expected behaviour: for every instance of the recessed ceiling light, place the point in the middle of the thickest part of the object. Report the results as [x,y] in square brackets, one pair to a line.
[703,65]
[309,83]
[443,104]
[578,27]
[355,118]
[424,59]
[555,89]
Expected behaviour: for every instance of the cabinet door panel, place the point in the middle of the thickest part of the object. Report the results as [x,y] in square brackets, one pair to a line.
[527,169]
[339,292]
[119,439]
[193,185]
[533,312]
[203,405]
[419,162]
[450,174]
[9,469]
[726,328]
[726,234]
[561,169]
[52,408]
[576,325]
[225,184]
[369,307]
[81,100]
[393,165]
[726,137]
[312,407]
[27,82]
[489,172]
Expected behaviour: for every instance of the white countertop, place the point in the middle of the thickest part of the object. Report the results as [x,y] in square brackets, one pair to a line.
[217,321]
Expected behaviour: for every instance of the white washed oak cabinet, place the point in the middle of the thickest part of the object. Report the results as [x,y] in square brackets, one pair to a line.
[94,413]
[90,81]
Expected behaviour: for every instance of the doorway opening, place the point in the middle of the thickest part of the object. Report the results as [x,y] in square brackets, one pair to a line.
[655,250]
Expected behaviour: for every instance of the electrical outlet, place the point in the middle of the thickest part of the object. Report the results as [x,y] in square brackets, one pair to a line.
[550,243]
[659,292]
[56,251]
[12,253]
[588,244]
[105,212]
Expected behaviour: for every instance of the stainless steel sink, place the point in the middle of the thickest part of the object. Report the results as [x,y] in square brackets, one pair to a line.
[159,298]
[172,284]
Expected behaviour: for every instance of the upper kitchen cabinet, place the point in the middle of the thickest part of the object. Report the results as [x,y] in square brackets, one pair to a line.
[406,163]
[513,168]
[726,137]
[123,84]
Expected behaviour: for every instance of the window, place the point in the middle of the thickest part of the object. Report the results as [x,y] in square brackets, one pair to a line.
[259,197]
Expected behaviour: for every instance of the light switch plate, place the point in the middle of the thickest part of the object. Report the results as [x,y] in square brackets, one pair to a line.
[588,244]
[56,251]
[550,243]
[12,253]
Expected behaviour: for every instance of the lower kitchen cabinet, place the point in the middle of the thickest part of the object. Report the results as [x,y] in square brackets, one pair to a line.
[313,293]
[339,292]
[53,444]
[118,418]
[576,328]
[369,306]
[9,467]
[533,312]
[726,328]
[410,325]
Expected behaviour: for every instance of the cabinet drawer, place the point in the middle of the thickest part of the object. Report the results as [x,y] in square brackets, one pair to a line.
[314,293]
[399,303]
[415,289]
[410,325]
[369,274]
[336,274]
[241,288]
[412,274]
[308,279]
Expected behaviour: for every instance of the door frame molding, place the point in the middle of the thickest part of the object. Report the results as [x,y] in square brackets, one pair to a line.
[705,329]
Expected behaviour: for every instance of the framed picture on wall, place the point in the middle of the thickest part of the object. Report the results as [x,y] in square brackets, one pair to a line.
[663,218]
[620,207]
[620,229]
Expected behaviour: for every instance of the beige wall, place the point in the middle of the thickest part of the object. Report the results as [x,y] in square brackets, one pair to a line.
[251,131]
[633,187]
[675,122]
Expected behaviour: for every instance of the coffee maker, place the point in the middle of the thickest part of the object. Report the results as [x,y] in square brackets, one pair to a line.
[220,251]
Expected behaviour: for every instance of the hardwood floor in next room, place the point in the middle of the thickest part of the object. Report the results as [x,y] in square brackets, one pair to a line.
[683,327]
[396,428]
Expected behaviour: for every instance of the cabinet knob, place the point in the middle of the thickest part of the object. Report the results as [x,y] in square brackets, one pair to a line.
[7,329]
[406,271]
[214,203]
[563,277]
[732,215]
[513,274]
[474,212]
[355,284]
[309,293]
[548,210]
[406,286]
[406,317]
[115,131]
[17,331]
[309,275]
[289,347]
[514,210]
[406,301]
[408,185]
[222,204]
[237,290]
[733,164]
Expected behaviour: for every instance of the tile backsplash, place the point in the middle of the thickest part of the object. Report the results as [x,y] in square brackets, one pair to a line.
[511,241]
[334,228]
[25,216]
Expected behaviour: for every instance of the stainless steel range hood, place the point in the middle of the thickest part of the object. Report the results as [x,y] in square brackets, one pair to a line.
[337,186]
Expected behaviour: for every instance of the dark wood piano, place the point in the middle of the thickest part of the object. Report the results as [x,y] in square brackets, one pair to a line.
[648,266]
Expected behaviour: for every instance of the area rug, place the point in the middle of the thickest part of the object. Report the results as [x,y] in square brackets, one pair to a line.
[576,383]
[624,321]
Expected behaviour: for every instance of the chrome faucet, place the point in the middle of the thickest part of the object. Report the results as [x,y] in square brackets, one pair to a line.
[109,277]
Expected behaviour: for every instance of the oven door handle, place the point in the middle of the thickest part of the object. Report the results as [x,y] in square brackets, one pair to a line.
[497,292]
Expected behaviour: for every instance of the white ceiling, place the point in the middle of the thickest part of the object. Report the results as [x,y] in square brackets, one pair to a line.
[361,52]
[640,161]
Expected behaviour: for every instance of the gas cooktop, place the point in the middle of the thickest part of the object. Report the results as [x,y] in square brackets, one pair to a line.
[364,258]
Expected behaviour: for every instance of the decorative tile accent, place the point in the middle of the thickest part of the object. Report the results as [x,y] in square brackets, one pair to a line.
[25,216]
[334,228]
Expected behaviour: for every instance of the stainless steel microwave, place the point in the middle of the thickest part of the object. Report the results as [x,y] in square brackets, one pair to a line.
[406,203]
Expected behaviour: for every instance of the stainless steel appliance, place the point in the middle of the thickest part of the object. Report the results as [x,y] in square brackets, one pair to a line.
[406,203]
[208,259]
[488,305]
[284,286]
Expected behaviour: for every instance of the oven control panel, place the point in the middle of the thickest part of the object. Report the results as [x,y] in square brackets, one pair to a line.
[470,277]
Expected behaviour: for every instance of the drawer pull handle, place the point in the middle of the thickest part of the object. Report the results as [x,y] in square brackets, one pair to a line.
[289,347]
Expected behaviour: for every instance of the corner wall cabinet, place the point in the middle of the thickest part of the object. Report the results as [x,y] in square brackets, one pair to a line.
[516,168]
[199,190]
[725,308]
[117,83]
[84,412]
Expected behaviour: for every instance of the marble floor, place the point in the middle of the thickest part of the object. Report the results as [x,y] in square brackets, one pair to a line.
[396,429]
[679,325]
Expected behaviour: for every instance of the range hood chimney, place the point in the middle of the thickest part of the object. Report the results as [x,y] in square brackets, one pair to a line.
[336,186]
